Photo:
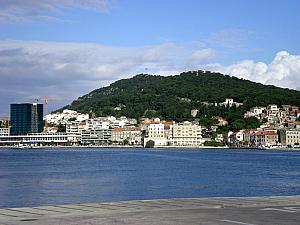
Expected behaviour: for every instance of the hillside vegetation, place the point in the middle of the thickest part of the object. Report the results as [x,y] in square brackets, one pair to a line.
[172,97]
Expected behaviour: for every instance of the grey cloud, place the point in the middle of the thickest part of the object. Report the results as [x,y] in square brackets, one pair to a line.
[65,71]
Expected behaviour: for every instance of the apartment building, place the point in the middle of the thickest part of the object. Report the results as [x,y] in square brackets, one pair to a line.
[290,137]
[132,134]
[96,136]
[186,134]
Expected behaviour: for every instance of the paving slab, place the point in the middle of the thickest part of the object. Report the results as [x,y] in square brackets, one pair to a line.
[217,211]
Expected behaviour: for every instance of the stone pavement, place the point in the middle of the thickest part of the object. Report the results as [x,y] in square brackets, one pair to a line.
[227,211]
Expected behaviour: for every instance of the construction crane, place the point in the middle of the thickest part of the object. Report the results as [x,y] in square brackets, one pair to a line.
[46,109]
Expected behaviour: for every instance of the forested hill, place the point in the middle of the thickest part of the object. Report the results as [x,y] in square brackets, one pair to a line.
[172,97]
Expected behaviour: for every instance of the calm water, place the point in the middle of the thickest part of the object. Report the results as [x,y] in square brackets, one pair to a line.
[43,177]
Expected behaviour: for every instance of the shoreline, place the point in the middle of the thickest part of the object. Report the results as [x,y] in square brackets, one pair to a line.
[160,147]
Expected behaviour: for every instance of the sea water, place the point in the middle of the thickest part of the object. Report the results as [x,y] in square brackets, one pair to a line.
[61,176]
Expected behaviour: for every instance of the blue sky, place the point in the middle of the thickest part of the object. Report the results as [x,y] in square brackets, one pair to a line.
[66,48]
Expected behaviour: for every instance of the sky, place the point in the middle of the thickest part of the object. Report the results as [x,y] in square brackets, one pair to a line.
[63,49]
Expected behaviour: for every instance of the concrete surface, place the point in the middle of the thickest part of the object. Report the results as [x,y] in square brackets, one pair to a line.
[227,211]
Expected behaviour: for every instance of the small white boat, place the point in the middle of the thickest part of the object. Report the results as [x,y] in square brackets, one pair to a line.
[23,146]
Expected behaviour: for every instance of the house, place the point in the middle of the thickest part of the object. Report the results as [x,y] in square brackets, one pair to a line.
[265,138]
[194,112]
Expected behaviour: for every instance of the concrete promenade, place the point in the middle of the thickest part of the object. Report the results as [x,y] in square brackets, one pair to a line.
[227,211]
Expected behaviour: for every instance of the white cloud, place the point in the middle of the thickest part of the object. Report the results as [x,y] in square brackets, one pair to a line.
[203,54]
[19,10]
[283,71]
[65,71]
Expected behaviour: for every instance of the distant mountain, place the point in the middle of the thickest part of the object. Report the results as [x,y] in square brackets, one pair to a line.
[172,97]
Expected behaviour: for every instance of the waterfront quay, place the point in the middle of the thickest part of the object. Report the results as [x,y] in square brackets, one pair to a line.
[228,211]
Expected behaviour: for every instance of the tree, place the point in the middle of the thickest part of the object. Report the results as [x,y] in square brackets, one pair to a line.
[172,97]
[252,122]
[208,122]
[61,128]
[237,125]
[125,142]
[150,144]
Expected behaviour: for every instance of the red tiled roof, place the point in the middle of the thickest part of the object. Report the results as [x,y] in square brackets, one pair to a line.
[118,129]
[154,122]
[267,132]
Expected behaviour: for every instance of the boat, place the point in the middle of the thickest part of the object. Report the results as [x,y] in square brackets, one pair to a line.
[23,146]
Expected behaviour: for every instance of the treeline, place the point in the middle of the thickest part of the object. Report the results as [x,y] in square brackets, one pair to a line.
[173,97]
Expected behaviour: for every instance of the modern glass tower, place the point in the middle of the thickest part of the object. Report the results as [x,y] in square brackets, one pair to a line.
[26,118]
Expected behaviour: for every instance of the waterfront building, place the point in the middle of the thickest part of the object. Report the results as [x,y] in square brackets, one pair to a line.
[75,128]
[156,132]
[186,134]
[265,138]
[290,137]
[4,131]
[96,136]
[26,118]
[131,135]
[38,139]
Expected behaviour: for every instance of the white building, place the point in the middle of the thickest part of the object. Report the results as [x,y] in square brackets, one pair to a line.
[75,128]
[97,123]
[65,116]
[4,131]
[156,133]
[96,136]
[273,108]
[133,135]
[230,102]
[39,139]
[290,137]
[186,134]
[255,111]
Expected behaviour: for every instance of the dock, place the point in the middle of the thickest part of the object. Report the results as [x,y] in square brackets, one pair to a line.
[274,210]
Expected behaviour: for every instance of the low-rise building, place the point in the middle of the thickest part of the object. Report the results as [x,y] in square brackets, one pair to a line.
[290,137]
[38,139]
[129,135]
[4,131]
[65,116]
[265,138]
[96,136]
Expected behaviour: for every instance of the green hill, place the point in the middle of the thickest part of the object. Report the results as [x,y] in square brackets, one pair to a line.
[172,97]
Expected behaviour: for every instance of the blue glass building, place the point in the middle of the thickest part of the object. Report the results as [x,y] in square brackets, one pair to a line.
[26,118]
